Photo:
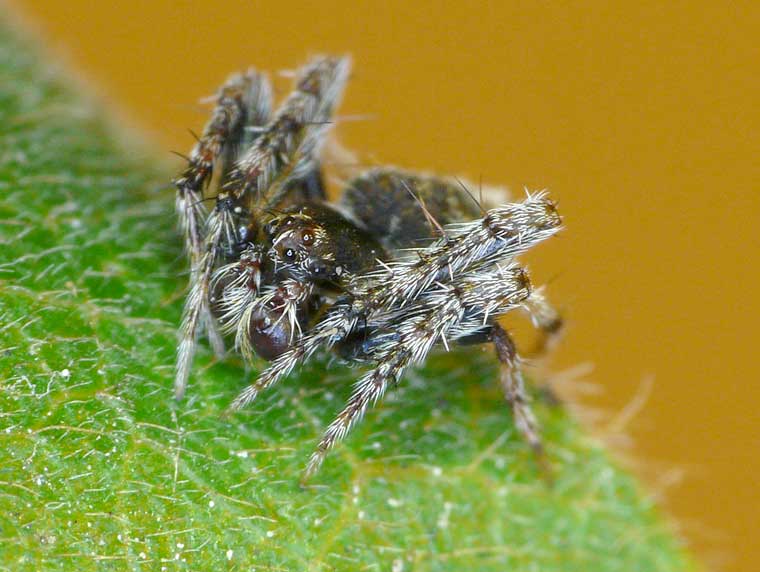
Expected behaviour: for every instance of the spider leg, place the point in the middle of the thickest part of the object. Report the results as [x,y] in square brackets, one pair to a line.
[197,303]
[242,100]
[546,319]
[369,389]
[502,234]
[453,310]
[257,110]
[241,96]
[513,386]
[287,150]
[283,151]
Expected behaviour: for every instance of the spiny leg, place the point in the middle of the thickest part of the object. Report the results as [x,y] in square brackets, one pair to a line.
[241,96]
[197,302]
[283,152]
[288,150]
[546,319]
[478,245]
[513,386]
[369,389]
[242,101]
[257,107]
[454,310]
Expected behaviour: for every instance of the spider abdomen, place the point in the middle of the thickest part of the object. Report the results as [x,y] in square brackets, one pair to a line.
[401,209]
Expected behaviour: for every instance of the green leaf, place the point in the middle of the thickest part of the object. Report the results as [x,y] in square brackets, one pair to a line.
[101,469]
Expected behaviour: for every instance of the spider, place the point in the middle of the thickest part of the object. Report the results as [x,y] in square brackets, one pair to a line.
[401,263]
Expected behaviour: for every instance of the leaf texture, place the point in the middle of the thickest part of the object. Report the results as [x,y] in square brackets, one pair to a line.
[100,469]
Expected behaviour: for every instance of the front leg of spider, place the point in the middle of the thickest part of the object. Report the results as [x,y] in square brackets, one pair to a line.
[446,314]
[502,234]
[280,153]
[243,101]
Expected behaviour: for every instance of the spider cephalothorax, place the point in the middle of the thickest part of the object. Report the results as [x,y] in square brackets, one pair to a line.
[401,263]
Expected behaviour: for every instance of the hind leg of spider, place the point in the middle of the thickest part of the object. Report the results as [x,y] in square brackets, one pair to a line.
[513,386]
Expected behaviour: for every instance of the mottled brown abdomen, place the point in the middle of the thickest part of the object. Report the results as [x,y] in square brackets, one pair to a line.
[383,200]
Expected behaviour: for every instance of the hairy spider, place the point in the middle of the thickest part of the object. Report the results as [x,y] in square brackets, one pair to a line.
[401,263]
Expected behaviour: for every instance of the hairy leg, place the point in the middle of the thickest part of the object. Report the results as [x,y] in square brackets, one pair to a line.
[475,246]
[287,150]
[513,386]
[243,99]
[546,319]
[452,312]
[256,103]
[283,151]
[241,96]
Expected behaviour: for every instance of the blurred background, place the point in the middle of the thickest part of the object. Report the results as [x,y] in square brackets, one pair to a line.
[642,120]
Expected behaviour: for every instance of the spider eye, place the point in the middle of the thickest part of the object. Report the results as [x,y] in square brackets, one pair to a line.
[270,228]
[289,254]
[273,226]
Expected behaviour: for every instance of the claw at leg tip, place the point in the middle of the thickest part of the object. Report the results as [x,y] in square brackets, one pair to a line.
[315,462]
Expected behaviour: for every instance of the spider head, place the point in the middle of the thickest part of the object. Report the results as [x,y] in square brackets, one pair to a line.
[293,237]
[316,244]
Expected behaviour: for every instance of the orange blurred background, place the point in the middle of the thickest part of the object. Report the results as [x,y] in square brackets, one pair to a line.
[642,120]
